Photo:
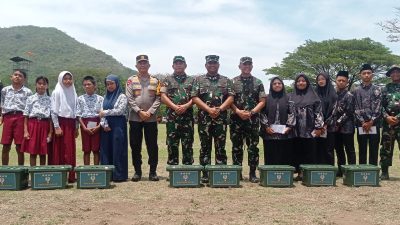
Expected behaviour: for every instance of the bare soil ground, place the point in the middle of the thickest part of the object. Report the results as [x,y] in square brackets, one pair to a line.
[148,202]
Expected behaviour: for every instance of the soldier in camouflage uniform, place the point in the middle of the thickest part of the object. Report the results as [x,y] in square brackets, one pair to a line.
[391,122]
[175,94]
[212,93]
[249,99]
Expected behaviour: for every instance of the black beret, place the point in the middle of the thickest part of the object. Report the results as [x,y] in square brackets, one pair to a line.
[366,67]
[343,73]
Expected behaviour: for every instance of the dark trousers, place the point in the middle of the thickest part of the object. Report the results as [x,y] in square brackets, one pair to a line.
[325,149]
[303,152]
[345,142]
[135,139]
[278,152]
[372,141]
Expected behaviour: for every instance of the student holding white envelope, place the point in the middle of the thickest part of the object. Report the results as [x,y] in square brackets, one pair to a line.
[309,122]
[277,121]
[367,116]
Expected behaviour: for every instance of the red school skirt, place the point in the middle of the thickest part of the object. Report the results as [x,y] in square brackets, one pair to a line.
[38,131]
[63,150]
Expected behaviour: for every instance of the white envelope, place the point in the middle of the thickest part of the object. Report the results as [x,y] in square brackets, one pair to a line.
[278,129]
[91,124]
[371,131]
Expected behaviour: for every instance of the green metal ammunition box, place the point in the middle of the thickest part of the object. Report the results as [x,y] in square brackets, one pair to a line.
[319,175]
[184,175]
[49,177]
[276,175]
[360,175]
[96,176]
[224,175]
[13,177]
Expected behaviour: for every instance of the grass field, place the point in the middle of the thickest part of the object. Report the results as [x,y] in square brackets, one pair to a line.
[148,202]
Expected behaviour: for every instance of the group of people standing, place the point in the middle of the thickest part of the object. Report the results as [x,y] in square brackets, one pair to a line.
[305,126]
[317,122]
[44,125]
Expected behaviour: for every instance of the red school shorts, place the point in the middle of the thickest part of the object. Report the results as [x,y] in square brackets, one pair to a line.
[13,128]
[90,143]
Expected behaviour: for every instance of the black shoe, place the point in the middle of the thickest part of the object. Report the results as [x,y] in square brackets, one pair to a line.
[385,176]
[136,177]
[153,177]
[253,178]
[252,175]
[204,178]
[298,178]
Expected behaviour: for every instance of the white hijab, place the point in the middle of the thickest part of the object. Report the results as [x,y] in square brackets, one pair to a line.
[64,98]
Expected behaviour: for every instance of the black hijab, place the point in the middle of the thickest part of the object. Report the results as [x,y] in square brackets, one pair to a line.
[273,100]
[327,95]
[306,97]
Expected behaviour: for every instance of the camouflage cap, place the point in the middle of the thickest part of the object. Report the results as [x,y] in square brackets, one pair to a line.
[246,59]
[142,58]
[212,58]
[393,68]
[179,58]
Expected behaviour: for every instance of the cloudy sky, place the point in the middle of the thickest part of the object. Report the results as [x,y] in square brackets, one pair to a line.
[264,30]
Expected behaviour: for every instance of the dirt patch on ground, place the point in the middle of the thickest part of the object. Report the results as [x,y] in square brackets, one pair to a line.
[155,203]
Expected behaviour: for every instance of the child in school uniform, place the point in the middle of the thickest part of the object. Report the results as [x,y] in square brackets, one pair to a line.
[13,100]
[88,108]
[37,125]
[63,114]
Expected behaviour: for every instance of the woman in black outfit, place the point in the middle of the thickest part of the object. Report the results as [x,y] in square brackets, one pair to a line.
[326,144]
[309,122]
[277,113]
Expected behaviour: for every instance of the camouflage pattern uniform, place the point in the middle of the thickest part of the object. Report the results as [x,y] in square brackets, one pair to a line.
[248,93]
[213,91]
[179,127]
[390,107]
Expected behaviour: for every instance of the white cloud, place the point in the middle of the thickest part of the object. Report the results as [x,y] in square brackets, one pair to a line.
[264,30]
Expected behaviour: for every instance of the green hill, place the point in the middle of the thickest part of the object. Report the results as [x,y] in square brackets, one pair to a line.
[52,51]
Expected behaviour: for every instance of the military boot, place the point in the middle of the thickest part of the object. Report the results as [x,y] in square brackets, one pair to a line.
[252,176]
[204,178]
[385,173]
[153,174]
